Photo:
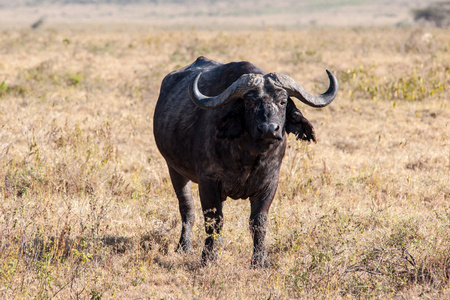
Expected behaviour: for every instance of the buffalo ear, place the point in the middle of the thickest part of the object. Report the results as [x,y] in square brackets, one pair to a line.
[231,126]
[297,124]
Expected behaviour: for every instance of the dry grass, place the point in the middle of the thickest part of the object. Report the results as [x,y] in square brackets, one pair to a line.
[88,211]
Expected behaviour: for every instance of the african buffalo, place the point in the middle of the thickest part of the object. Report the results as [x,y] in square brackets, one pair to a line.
[232,143]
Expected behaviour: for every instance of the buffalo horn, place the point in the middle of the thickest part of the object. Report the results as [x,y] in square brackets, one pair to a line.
[296,90]
[234,91]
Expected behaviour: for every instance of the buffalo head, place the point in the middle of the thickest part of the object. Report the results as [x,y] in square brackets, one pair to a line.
[265,99]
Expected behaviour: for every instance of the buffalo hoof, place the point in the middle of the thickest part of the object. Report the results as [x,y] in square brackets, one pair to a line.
[261,265]
[259,260]
[208,257]
[184,247]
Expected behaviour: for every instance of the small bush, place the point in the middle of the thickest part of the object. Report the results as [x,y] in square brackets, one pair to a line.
[436,13]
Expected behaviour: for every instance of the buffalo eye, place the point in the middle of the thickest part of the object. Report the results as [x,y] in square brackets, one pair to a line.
[283,99]
[250,103]
[250,100]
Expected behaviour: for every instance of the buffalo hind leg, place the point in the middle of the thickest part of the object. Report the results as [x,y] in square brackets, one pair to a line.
[211,199]
[182,187]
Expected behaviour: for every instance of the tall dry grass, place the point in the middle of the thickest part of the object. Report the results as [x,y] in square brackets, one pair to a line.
[88,211]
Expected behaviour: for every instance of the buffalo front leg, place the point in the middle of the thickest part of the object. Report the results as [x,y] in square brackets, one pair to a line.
[182,187]
[258,224]
[211,199]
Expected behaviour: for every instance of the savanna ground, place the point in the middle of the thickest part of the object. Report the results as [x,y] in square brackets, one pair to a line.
[87,207]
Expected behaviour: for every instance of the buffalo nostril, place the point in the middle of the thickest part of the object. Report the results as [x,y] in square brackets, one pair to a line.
[263,128]
[274,127]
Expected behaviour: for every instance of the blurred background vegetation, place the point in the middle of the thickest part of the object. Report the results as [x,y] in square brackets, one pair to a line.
[232,14]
